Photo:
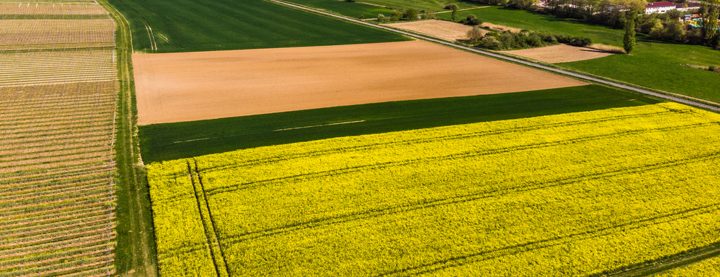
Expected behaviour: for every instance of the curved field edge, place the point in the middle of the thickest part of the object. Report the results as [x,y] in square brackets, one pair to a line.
[135,251]
[182,140]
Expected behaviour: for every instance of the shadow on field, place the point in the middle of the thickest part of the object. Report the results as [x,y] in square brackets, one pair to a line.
[188,139]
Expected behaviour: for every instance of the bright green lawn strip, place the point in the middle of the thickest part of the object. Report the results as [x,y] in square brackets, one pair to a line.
[188,139]
[543,23]
[656,65]
[188,25]
[661,66]
[428,5]
[354,9]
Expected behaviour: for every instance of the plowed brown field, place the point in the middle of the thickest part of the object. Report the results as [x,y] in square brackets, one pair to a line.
[560,53]
[207,85]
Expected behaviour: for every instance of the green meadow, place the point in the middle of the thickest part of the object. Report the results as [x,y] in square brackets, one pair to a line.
[188,25]
[656,65]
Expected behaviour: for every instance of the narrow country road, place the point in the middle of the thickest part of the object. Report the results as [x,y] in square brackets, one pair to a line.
[667,96]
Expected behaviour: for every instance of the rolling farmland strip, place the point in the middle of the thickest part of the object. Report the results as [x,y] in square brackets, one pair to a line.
[38,68]
[20,7]
[512,197]
[55,33]
[57,206]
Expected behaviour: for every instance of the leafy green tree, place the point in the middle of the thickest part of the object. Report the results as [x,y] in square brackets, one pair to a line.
[629,40]
[454,9]
[711,24]
[411,14]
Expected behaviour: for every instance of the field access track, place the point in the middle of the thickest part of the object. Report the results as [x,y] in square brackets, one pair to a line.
[178,87]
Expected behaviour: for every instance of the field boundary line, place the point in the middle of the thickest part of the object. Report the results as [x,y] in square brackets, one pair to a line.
[136,253]
[482,133]
[687,100]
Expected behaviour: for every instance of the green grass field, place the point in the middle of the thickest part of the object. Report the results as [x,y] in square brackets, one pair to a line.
[567,194]
[354,9]
[543,23]
[187,25]
[182,140]
[655,65]
[427,5]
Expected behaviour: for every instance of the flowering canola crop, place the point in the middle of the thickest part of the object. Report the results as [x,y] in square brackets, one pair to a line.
[569,194]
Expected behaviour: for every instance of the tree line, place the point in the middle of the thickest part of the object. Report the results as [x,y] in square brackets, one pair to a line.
[617,13]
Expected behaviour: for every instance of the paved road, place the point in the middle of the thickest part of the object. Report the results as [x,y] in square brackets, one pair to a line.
[695,103]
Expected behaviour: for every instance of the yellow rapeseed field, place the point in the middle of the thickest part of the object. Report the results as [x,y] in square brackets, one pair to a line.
[561,194]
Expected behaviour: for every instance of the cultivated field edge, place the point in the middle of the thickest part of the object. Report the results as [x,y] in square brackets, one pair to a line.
[688,100]
[135,252]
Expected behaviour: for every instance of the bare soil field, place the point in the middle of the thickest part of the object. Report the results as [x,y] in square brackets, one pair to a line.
[178,87]
[441,29]
[560,53]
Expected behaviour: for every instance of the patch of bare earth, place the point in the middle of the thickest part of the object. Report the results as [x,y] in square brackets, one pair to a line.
[177,87]
[441,29]
[560,53]
[497,27]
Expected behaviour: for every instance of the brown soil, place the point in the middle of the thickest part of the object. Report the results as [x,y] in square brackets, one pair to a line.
[177,87]
[441,29]
[560,53]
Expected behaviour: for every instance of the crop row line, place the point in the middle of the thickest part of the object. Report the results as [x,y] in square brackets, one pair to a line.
[469,258]
[58,220]
[482,133]
[456,199]
[59,172]
[463,155]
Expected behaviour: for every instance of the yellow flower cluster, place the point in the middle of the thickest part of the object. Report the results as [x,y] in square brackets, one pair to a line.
[563,194]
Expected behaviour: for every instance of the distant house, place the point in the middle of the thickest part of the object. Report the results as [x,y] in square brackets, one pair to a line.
[660,7]
[688,7]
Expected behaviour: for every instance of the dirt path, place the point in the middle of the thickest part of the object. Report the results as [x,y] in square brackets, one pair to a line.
[177,87]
